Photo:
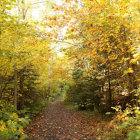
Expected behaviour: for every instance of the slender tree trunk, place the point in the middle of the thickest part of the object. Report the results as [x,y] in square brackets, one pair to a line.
[21,89]
[15,66]
[49,86]
[15,86]
[109,90]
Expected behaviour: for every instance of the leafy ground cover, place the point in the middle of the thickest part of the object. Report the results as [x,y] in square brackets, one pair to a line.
[62,120]
[58,121]
[11,125]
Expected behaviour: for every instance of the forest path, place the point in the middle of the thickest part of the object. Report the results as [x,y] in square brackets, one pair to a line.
[59,123]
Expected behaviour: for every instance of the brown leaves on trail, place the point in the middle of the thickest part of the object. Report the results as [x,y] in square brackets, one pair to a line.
[57,122]
[72,30]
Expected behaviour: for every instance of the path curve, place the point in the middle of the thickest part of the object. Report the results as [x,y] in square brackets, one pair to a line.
[59,123]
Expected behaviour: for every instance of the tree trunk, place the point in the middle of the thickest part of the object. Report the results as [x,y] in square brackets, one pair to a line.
[109,91]
[15,66]
[15,86]
[49,86]
[21,89]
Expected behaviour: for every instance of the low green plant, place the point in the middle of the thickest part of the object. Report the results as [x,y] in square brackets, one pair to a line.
[11,126]
[125,125]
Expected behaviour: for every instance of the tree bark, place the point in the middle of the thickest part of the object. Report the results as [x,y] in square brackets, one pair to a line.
[109,90]
[49,86]
[15,86]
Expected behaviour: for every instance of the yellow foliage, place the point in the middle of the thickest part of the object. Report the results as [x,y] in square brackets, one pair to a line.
[21,129]
[15,115]
[2,126]
[130,70]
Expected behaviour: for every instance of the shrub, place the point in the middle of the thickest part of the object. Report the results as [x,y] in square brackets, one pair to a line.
[11,126]
[83,96]
[125,125]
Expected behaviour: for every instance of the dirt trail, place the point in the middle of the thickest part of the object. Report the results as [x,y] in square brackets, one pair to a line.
[59,123]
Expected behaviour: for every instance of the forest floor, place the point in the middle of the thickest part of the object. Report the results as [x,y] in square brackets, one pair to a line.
[57,122]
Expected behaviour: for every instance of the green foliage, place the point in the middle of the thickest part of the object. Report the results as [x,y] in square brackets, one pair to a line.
[126,124]
[33,109]
[84,91]
[11,126]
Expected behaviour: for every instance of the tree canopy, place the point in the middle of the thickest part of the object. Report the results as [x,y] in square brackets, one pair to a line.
[87,50]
